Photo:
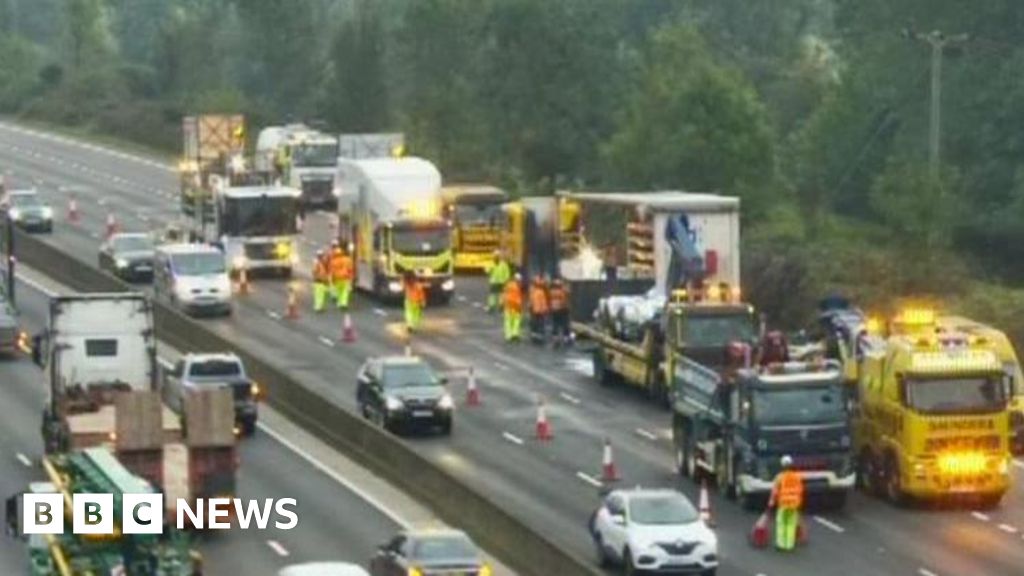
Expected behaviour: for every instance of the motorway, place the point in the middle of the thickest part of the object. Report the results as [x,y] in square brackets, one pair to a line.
[553,487]
[269,470]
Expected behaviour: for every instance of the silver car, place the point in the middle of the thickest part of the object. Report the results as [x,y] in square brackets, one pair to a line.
[28,211]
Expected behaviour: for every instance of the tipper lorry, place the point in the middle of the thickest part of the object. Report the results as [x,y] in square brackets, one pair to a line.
[736,430]
[475,213]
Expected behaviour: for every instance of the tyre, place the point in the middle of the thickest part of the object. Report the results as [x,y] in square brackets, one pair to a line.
[867,474]
[601,554]
[628,568]
[893,481]
[711,572]
[249,428]
[446,428]
[601,372]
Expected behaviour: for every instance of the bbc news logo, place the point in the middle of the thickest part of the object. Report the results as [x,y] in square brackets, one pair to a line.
[144,514]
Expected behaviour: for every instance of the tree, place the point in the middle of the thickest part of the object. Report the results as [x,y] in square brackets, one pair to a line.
[88,38]
[691,123]
[357,98]
[19,67]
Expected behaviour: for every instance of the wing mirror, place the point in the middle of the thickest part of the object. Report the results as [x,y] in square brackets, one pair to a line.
[618,519]
[38,342]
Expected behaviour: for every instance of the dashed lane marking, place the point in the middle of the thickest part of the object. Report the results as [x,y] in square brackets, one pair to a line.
[273,315]
[501,366]
[24,460]
[569,398]
[327,341]
[829,524]
[926,572]
[980,516]
[1008,529]
[512,438]
[277,548]
[380,312]
[589,479]
[460,298]
[647,434]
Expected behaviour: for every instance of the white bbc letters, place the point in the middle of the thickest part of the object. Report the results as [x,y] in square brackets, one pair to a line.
[143,514]
[92,513]
[43,514]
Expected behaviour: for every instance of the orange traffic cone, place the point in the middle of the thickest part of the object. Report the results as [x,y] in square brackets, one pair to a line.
[472,393]
[609,473]
[72,209]
[759,533]
[111,224]
[801,532]
[705,504]
[292,309]
[243,281]
[543,426]
[348,331]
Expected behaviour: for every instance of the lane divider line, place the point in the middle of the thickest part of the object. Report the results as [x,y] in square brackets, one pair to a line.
[569,398]
[327,341]
[829,524]
[24,460]
[1008,529]
[926,572]
[273,315]
[380,312]
[587,478]
[980,516]
[501,366]
[278,548]
[512,438]
[647,434]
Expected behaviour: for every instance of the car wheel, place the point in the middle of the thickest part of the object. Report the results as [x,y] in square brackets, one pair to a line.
[602,555]
[446,428]
[628,568]
[893,481]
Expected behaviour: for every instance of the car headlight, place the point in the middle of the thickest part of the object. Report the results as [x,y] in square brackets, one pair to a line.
[47,212]
[184,294]
[485,570]
[392,403]
[394,286]
[448,285]
[14,213]
[446,402]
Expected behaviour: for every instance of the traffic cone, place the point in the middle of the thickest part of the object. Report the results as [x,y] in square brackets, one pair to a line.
[801,532]
[705,504]
[609,473]
[472,393]
[759,533]
[72,209]
[243,281]
[348,331]
[543,426]
[111,224]
[292,309]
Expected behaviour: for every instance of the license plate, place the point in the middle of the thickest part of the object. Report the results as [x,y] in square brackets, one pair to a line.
[422,413]
[144,268]
[963,489]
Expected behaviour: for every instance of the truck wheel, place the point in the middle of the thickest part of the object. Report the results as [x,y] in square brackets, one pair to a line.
[601,372]
[893,482]
[682,450]
[658,392]
[867,473]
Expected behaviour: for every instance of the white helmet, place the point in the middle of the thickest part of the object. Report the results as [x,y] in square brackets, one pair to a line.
[786,461]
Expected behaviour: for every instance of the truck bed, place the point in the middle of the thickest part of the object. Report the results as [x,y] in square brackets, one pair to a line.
[95,428]
[606,340]
[176,476]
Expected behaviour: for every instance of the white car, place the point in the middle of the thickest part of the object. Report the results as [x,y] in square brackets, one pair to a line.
[654,532]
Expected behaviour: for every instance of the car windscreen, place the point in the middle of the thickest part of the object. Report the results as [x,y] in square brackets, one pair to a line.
[132,244]
[444,548]
[661,510]
[26,200]
[799,405]
[955,395]
[315,155]
[198,264]
[717,330]
[215,368]
[409,376]
[420,240]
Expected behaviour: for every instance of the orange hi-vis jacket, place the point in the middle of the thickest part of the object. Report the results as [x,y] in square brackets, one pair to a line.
[538,299]
[788,491]
[415,293]
[341,266]
[321,271]
[558,298]
[512,297]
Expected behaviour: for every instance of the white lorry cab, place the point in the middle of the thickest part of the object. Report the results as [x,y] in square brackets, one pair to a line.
[257,229]
[313,158]
[390,211]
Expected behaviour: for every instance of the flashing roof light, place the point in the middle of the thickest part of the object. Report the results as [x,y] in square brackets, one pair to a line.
[873,326]
[954,361]
[422,209]
[916,317]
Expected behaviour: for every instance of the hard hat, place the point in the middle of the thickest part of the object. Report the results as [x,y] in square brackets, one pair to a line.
[497,253]
[787,461]
[335,243]
[518,276]
[320,252]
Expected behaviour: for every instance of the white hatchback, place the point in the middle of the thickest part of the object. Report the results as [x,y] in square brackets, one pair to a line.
[653,531]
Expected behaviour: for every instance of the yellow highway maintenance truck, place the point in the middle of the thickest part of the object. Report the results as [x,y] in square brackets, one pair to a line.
[932,421]
[475,213]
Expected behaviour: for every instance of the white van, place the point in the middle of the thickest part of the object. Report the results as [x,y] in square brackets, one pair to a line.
[192,277]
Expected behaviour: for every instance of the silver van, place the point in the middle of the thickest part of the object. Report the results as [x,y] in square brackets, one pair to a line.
[193,278]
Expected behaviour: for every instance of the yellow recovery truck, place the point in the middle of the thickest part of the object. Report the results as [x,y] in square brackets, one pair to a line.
[475,213]
[933,417]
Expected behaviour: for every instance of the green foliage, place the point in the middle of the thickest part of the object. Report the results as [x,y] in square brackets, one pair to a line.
[357,96]
[692,123]
[19,66]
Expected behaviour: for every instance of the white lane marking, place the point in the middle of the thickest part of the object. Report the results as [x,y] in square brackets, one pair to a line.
[647,434]
[273,315]
[478,305]
[501,366]
[1019,463]
[327,341]
[1008,529]
[460,298]
[926,572]
[24,460]
[829,524]
[379,312]
[94,235]
[589,479]
[569,398]
[980,516]
[277,548]
[345,482]
[512,438]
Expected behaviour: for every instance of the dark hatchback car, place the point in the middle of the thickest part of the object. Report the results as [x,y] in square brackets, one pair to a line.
[402,392]
[434,552]
[128,256]
[28,211]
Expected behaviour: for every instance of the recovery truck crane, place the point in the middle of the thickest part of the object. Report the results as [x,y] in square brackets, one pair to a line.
[96,470]
[737,429]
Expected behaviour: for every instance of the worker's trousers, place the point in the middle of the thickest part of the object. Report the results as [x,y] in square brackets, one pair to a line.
[513,321]
[319,296]
[786,522]
[494,297]
[413,314]
[538,327]
[342,293]
[560,326]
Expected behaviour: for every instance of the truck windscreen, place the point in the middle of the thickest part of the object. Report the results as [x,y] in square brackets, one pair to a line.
[315,156]
[717,330]
[259,216]
[955,395]
[800,405]
[478,214]
[421,241]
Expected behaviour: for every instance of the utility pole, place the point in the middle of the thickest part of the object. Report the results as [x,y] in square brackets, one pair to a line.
[938,41]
